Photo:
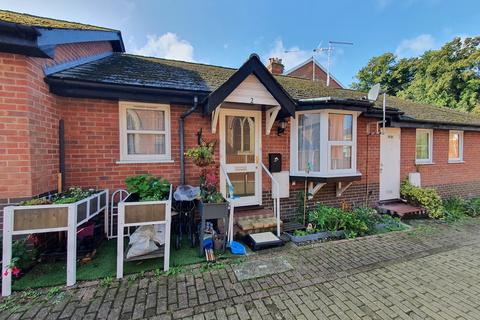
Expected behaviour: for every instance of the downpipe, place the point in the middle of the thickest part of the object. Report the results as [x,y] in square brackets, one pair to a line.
[181,128]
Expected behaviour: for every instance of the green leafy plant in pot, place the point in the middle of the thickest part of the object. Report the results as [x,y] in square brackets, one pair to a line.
[148,187]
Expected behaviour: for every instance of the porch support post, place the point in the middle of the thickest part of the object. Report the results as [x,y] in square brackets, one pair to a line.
[72,245]
[270,116]
[7,251]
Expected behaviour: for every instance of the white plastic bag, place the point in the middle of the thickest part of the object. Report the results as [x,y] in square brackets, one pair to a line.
[146,239]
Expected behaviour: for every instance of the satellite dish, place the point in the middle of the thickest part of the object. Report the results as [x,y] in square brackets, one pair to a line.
[373,92]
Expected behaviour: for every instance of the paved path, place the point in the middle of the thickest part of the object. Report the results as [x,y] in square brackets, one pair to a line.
[431,272]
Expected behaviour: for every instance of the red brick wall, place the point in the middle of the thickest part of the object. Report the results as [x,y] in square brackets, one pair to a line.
[92,145]
[305,72]
[15,171]
[29,121]
[441,172]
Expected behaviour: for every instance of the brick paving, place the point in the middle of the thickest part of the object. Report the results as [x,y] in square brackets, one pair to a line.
[430,272]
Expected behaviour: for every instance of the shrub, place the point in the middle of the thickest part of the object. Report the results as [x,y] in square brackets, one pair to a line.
[354,223]
[325,218]
[454,208]
[427,198]
[368,215]
[472,207]
[148,187]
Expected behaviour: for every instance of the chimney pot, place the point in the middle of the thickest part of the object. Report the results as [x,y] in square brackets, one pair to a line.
[275,65]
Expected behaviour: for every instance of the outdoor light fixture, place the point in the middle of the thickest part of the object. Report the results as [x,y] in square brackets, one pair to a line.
[282,125]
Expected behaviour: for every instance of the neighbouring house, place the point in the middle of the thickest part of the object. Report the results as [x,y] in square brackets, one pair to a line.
[311,69]
[73,102]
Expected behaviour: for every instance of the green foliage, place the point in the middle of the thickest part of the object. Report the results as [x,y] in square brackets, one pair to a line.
[325,218]
[202,155]
[447,77]
[148,187]
[35,202]
[454,209]
[394,75]
[22,256]
[472,207]
[354,223]
[173,271]
[106,282]
[427,198]
[72,195]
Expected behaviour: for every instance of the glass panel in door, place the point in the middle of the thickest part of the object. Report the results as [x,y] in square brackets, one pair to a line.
[240,139]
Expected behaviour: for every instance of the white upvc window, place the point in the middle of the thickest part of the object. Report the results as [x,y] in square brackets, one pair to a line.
[455,146]
[144,132]
[424,146]
[323,143]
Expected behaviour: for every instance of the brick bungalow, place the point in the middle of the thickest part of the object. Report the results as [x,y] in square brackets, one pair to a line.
[73,102]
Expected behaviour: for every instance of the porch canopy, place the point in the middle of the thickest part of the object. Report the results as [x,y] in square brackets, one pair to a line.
[253,66]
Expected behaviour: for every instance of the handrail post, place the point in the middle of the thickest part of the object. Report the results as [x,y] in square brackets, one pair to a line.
[275,197]
[230,199]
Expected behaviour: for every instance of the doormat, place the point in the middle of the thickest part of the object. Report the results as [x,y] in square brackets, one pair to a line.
[261,268]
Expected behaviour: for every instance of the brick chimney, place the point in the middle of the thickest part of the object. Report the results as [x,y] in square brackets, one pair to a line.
[275,66]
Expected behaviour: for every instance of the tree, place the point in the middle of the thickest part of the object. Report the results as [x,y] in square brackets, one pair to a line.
[391,73]
[449,76]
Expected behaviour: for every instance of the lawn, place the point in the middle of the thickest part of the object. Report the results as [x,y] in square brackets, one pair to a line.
[102,266]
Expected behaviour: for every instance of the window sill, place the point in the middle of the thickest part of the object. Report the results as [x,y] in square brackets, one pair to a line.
[455,161]
[424,163]
[144,161]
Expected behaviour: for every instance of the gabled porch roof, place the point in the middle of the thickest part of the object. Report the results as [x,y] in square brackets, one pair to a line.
[252,66]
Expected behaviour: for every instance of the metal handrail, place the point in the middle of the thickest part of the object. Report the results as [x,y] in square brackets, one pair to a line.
[230,198]
[275,197]
[231,189]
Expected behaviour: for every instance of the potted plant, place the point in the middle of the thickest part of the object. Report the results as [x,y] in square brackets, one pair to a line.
[145,187]
[202,155]
[211,199]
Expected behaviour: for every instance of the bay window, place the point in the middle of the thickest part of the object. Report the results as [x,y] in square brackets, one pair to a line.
[323,143]
[144,132]
[455,146]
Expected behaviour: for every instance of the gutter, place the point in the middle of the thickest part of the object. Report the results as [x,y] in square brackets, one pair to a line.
[181,129]
[113,91]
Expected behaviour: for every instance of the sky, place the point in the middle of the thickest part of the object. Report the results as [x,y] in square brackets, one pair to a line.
[226,32]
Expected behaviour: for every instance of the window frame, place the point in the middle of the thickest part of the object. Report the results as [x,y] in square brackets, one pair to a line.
[460,146]
[139,158]
[325,145]
[430,147]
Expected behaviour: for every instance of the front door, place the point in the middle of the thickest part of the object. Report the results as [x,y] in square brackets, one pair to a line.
[240,155]
[390,164]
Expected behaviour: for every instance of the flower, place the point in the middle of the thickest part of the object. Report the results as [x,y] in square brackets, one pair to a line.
[16,271]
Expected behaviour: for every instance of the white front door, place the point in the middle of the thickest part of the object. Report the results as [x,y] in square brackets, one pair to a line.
[240,155]
[390,164]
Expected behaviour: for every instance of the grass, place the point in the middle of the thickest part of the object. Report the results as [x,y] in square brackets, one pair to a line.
[103,266]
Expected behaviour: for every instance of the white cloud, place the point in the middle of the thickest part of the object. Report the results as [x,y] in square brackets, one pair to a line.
[168,46]
[415,46]
[293,57]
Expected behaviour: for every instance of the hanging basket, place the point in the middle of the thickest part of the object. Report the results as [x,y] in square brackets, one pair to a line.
[203,162]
